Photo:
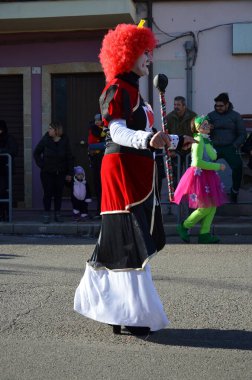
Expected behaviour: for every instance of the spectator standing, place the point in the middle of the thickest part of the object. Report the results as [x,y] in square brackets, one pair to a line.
[228,135]
[8,145]
[96,147]
[178,122]
[54,157]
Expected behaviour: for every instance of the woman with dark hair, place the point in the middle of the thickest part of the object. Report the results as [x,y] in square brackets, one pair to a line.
[54,157]
[117,287]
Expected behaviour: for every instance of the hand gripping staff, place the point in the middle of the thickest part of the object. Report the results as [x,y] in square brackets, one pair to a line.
[160,82]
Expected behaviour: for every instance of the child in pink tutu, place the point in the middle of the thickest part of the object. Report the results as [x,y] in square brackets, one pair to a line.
[201,186]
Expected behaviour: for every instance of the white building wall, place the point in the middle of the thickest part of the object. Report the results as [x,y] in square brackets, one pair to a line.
[216,69]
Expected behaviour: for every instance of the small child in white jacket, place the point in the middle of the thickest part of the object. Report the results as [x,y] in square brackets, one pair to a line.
[80,196]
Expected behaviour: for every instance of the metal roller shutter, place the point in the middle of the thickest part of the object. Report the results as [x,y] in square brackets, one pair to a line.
[11,110]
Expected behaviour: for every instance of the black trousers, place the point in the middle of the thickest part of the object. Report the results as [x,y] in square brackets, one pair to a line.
[230,154]
[53,186]
[79,205]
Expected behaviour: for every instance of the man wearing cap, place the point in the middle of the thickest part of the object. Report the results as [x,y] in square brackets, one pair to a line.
[228,134]
[96,147]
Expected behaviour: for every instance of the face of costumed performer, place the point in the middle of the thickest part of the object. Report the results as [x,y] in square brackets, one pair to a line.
[127,48]
[202,124]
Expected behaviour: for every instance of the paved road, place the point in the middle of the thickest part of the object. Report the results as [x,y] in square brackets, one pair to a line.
[206,291]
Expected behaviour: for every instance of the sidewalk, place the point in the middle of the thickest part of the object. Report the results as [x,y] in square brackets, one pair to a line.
[29,222]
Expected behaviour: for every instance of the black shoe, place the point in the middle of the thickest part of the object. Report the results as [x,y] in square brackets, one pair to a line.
[84,218]
[97,217]
[76,217]
[116,329]
[233,196]
[58,218]
[135,330]
[46,218]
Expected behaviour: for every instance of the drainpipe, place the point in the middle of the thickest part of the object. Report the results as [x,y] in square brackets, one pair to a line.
[150,76]
[189,48]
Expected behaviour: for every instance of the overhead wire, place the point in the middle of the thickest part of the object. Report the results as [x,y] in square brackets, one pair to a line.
[195,36]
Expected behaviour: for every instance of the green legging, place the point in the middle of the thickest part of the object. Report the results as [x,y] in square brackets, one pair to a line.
[205,215]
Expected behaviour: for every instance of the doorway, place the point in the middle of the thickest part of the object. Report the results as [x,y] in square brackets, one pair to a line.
[75,101]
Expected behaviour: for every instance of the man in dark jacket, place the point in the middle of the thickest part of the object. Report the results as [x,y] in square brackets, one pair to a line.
[8,145]
[228,134]
[54,157]
[178,122]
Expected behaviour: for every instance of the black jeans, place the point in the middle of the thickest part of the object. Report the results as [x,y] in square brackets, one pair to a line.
[53,185]
[230,154]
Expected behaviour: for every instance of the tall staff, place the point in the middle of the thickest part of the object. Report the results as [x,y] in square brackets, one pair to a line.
[160,82]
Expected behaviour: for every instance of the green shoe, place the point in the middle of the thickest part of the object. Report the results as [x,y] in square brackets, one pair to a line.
[208,239]
[183,233]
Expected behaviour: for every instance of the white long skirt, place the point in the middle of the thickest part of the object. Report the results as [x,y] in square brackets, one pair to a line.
[127,298]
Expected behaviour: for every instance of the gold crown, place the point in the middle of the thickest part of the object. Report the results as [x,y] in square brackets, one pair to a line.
[141,23]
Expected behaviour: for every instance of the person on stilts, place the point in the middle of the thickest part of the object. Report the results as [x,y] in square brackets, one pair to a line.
[117,287]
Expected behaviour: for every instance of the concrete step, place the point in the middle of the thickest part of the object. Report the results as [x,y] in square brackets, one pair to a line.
[228,210]
[239,209]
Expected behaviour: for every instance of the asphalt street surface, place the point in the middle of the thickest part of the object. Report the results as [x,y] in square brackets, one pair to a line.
[205,289]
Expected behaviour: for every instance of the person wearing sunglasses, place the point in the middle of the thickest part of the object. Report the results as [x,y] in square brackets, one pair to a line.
[228,134]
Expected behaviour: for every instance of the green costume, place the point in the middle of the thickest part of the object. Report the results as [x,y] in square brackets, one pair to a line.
[201,187]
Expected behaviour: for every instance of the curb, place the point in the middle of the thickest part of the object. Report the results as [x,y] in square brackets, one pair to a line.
[91,230]
[29,228]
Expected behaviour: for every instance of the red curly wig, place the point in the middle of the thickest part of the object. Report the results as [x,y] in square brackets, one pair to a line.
[121,48]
